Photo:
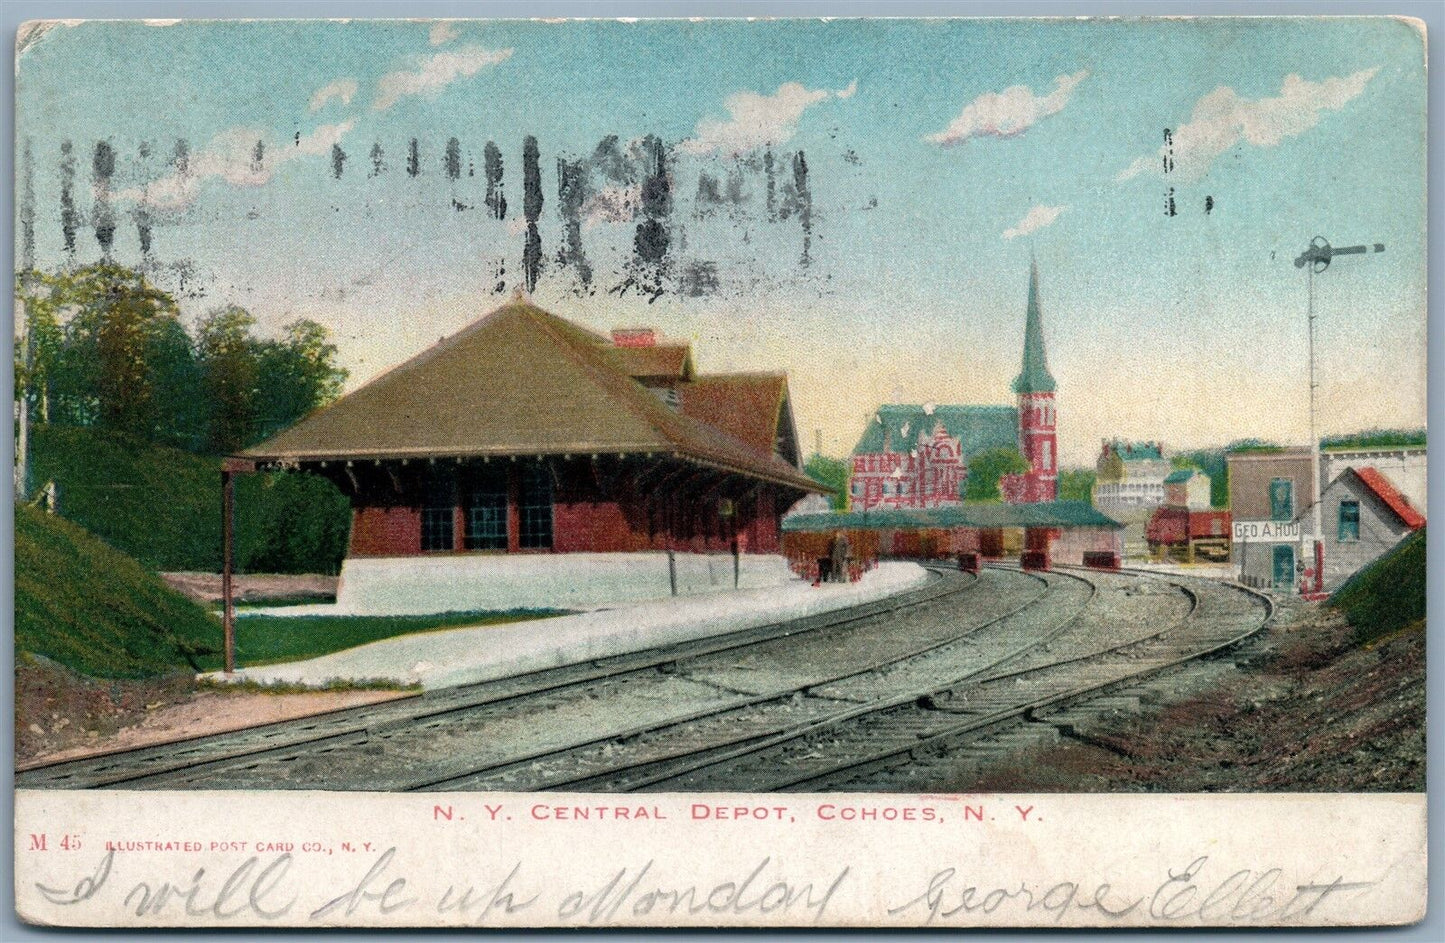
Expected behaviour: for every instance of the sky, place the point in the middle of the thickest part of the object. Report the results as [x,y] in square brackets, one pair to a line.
[854,201]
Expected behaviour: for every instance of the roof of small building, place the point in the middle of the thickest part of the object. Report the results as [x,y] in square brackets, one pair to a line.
[895,427]
[1042,514]
[1381,487]
[521,381]
[1179,476]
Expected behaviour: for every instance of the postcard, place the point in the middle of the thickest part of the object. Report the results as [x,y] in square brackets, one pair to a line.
[749,473]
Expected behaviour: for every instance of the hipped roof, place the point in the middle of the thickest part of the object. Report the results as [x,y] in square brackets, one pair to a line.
[519,381]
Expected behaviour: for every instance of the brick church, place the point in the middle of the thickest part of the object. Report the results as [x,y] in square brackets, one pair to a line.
[916,456]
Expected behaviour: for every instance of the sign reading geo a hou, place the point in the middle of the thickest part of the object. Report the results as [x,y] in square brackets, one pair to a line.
[1263,531]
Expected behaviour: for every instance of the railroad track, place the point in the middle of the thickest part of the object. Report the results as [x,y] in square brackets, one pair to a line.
[338,728]
[443,752]
[837,754]
[726,752]
[816,732]
[616,763]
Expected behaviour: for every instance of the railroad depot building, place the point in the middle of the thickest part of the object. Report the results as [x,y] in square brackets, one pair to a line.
[526,461]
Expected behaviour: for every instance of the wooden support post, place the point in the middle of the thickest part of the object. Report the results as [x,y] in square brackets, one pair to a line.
[230,468]
[514,510]
[228,540]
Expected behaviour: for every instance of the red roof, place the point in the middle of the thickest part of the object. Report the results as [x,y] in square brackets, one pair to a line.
[747,406]
[656,361]
[1393,499]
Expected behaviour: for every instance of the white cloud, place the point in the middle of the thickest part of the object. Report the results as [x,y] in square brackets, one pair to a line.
[231,156]
[344,89]
[1035,219]
[442,32]
[1223,119]
[758,120]
[435,73]
[1007,113]
[318,141]
[848,92]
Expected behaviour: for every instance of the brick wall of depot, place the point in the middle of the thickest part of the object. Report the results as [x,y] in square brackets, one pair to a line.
[583,521]
[379,531]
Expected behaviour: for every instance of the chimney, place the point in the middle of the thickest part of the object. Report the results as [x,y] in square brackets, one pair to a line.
[634,337]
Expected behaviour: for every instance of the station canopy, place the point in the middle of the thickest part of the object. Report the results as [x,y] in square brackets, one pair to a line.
[1059,514]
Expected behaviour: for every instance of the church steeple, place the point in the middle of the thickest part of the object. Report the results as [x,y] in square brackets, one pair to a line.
[1035,377]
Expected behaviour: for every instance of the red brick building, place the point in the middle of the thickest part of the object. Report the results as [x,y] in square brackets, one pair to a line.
[524,433]
[1038,431]
[914,456]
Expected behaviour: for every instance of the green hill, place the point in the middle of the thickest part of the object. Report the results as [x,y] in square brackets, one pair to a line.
[163,506]
[87,606]
[1387,595]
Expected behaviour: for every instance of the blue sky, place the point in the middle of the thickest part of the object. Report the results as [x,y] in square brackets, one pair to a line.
[939,155]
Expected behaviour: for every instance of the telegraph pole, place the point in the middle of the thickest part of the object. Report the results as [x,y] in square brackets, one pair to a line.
[1314,259]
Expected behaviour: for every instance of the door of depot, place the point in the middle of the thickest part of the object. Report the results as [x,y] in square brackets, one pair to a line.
[1283,566]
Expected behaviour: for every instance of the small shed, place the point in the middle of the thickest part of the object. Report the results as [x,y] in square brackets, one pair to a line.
[1187,488]
[1364,515]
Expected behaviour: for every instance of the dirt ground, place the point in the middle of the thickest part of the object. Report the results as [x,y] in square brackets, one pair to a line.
[66,716]
[1312,712]
[255,587]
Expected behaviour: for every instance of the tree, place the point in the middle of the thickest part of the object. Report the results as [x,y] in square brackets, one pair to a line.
[832,473]
[45,338]
[986,468]
[1076,484]
[225,350]
[296,375]
[182,407]
[102,372]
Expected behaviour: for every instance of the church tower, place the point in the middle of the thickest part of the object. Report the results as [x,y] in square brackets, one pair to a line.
[1035,388]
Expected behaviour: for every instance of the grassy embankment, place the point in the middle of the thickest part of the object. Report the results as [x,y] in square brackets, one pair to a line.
[86,593]
[163,506]
[91,608]
[86,605]
[1388,595]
